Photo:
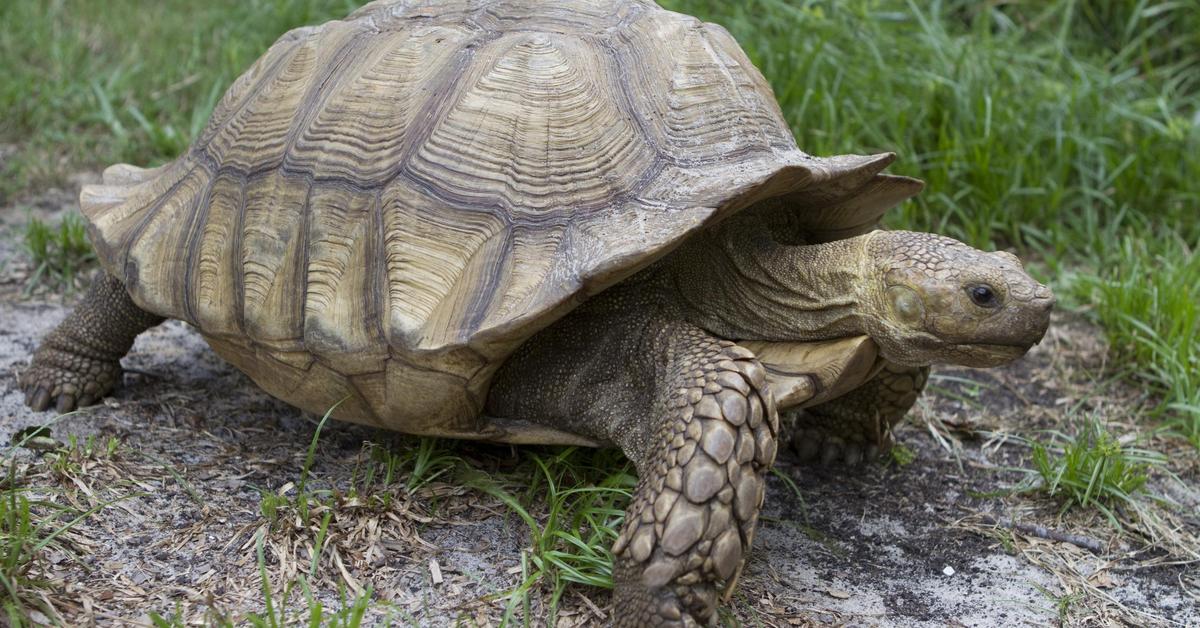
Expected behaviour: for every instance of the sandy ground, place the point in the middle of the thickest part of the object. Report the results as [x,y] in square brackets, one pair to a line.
[880,545]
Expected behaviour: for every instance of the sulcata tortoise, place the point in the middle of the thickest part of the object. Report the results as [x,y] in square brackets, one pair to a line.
[579,222]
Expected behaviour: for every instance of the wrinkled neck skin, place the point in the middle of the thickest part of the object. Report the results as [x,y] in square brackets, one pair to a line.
[738,283]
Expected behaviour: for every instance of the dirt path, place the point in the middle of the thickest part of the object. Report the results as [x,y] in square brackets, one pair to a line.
[882,545]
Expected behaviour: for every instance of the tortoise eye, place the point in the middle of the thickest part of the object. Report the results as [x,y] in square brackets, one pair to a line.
[983,296]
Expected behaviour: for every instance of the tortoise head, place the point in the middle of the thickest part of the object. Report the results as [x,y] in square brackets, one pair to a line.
[937,300]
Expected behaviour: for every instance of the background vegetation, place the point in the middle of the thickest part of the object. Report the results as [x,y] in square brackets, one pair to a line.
[1066,130]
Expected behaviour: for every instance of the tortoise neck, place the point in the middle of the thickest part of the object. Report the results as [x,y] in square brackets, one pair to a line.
[739,283]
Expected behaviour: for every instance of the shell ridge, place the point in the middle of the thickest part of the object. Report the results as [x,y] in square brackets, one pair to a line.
[199,219]
[302,260]
[274,216]
[483,296]
[270,115]
[318,93]
[156,271]
[210,289]
[379,300]
[235,263]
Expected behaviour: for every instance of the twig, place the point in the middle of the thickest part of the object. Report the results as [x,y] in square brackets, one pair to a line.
[1042,532]
[592,606]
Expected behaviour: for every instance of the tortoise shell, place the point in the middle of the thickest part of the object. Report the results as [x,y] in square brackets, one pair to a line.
[381,209]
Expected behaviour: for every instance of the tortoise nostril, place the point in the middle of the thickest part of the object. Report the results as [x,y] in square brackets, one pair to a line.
[1044,298]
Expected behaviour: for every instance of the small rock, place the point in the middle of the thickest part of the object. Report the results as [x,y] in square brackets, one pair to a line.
[838,593]
[948,570]
[435,570]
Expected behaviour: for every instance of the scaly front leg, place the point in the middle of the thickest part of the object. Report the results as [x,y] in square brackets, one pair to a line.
[702,469]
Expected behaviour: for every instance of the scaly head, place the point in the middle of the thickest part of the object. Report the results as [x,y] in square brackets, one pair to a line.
[936,300]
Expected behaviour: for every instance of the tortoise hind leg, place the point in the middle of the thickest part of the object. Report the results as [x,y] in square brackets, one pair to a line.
[79,362]
[858,425]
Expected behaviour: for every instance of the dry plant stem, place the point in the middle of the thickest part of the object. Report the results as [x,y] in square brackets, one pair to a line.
[1042,532]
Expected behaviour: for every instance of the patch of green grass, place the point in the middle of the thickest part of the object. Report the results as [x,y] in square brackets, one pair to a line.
[349,612]
[1092,469]
[29,525]
[1063,604]
[299,506]
[901,454]
[299,510]
[58,254]
[92,83]
[372,483]
[1145,302]
[584,494]
[963,389]
[315,511]
[69,459]
[1160,38]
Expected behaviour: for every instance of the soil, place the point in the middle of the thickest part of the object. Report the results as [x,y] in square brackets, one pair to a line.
[885,544]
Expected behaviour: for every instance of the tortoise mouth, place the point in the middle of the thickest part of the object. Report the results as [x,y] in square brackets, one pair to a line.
[988,354]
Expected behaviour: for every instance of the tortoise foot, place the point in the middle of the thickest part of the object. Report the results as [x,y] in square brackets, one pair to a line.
[679,606]
[856,427]
[66,380]
[820,446]
[80,361]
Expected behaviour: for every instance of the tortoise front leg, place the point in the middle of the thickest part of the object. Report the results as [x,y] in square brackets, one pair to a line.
[80,361]
[858,425]
[690,526]
[693,412]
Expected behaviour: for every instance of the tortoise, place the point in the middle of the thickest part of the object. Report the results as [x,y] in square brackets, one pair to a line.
[578,222]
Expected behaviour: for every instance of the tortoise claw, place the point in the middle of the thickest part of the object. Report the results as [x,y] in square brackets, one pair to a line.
[65,403]
[831,452]
[39,399]
[853,455]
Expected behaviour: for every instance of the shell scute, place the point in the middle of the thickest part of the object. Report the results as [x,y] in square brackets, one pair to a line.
[273,249]
[215,292]
[341,299]
[361,129]
[532,130]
